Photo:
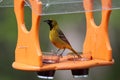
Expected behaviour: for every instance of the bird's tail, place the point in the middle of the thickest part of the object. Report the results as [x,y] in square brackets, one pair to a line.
[75,52]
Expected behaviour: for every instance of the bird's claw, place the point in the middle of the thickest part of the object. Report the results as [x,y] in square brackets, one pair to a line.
[60,55]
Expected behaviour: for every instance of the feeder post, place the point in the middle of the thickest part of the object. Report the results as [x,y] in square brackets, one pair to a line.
[97,40]
[28,55]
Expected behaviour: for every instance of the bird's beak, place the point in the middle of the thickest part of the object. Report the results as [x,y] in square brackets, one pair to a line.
[47,21]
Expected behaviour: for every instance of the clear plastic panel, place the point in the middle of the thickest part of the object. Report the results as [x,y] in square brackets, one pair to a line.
[6,3]
[62,6]
[51,7]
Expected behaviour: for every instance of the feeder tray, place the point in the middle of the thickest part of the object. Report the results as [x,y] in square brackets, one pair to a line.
[96,48]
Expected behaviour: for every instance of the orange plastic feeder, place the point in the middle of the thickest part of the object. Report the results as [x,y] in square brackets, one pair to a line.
[28,54]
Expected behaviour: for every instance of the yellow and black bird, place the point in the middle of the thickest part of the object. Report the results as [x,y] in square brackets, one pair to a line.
[58,38]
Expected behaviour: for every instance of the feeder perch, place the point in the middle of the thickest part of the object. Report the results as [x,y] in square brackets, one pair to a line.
[96,48]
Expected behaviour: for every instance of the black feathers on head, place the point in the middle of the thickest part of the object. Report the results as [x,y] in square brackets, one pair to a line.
[49,23]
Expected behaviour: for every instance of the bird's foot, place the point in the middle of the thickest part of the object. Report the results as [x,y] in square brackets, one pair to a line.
[60,55]
[77,58]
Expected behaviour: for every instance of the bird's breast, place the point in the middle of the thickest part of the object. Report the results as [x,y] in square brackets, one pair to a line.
[56,40]
[53,35]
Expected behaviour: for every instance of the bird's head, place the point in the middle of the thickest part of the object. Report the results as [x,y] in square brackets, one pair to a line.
[51,23]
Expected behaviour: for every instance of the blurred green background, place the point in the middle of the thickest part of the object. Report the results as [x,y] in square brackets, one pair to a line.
[74,27]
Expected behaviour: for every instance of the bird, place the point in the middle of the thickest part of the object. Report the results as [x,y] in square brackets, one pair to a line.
[58,38]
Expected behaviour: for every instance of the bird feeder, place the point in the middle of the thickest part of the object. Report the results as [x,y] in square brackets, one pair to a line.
[96,48]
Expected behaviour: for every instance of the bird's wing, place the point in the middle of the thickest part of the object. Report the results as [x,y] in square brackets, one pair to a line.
[62,36]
